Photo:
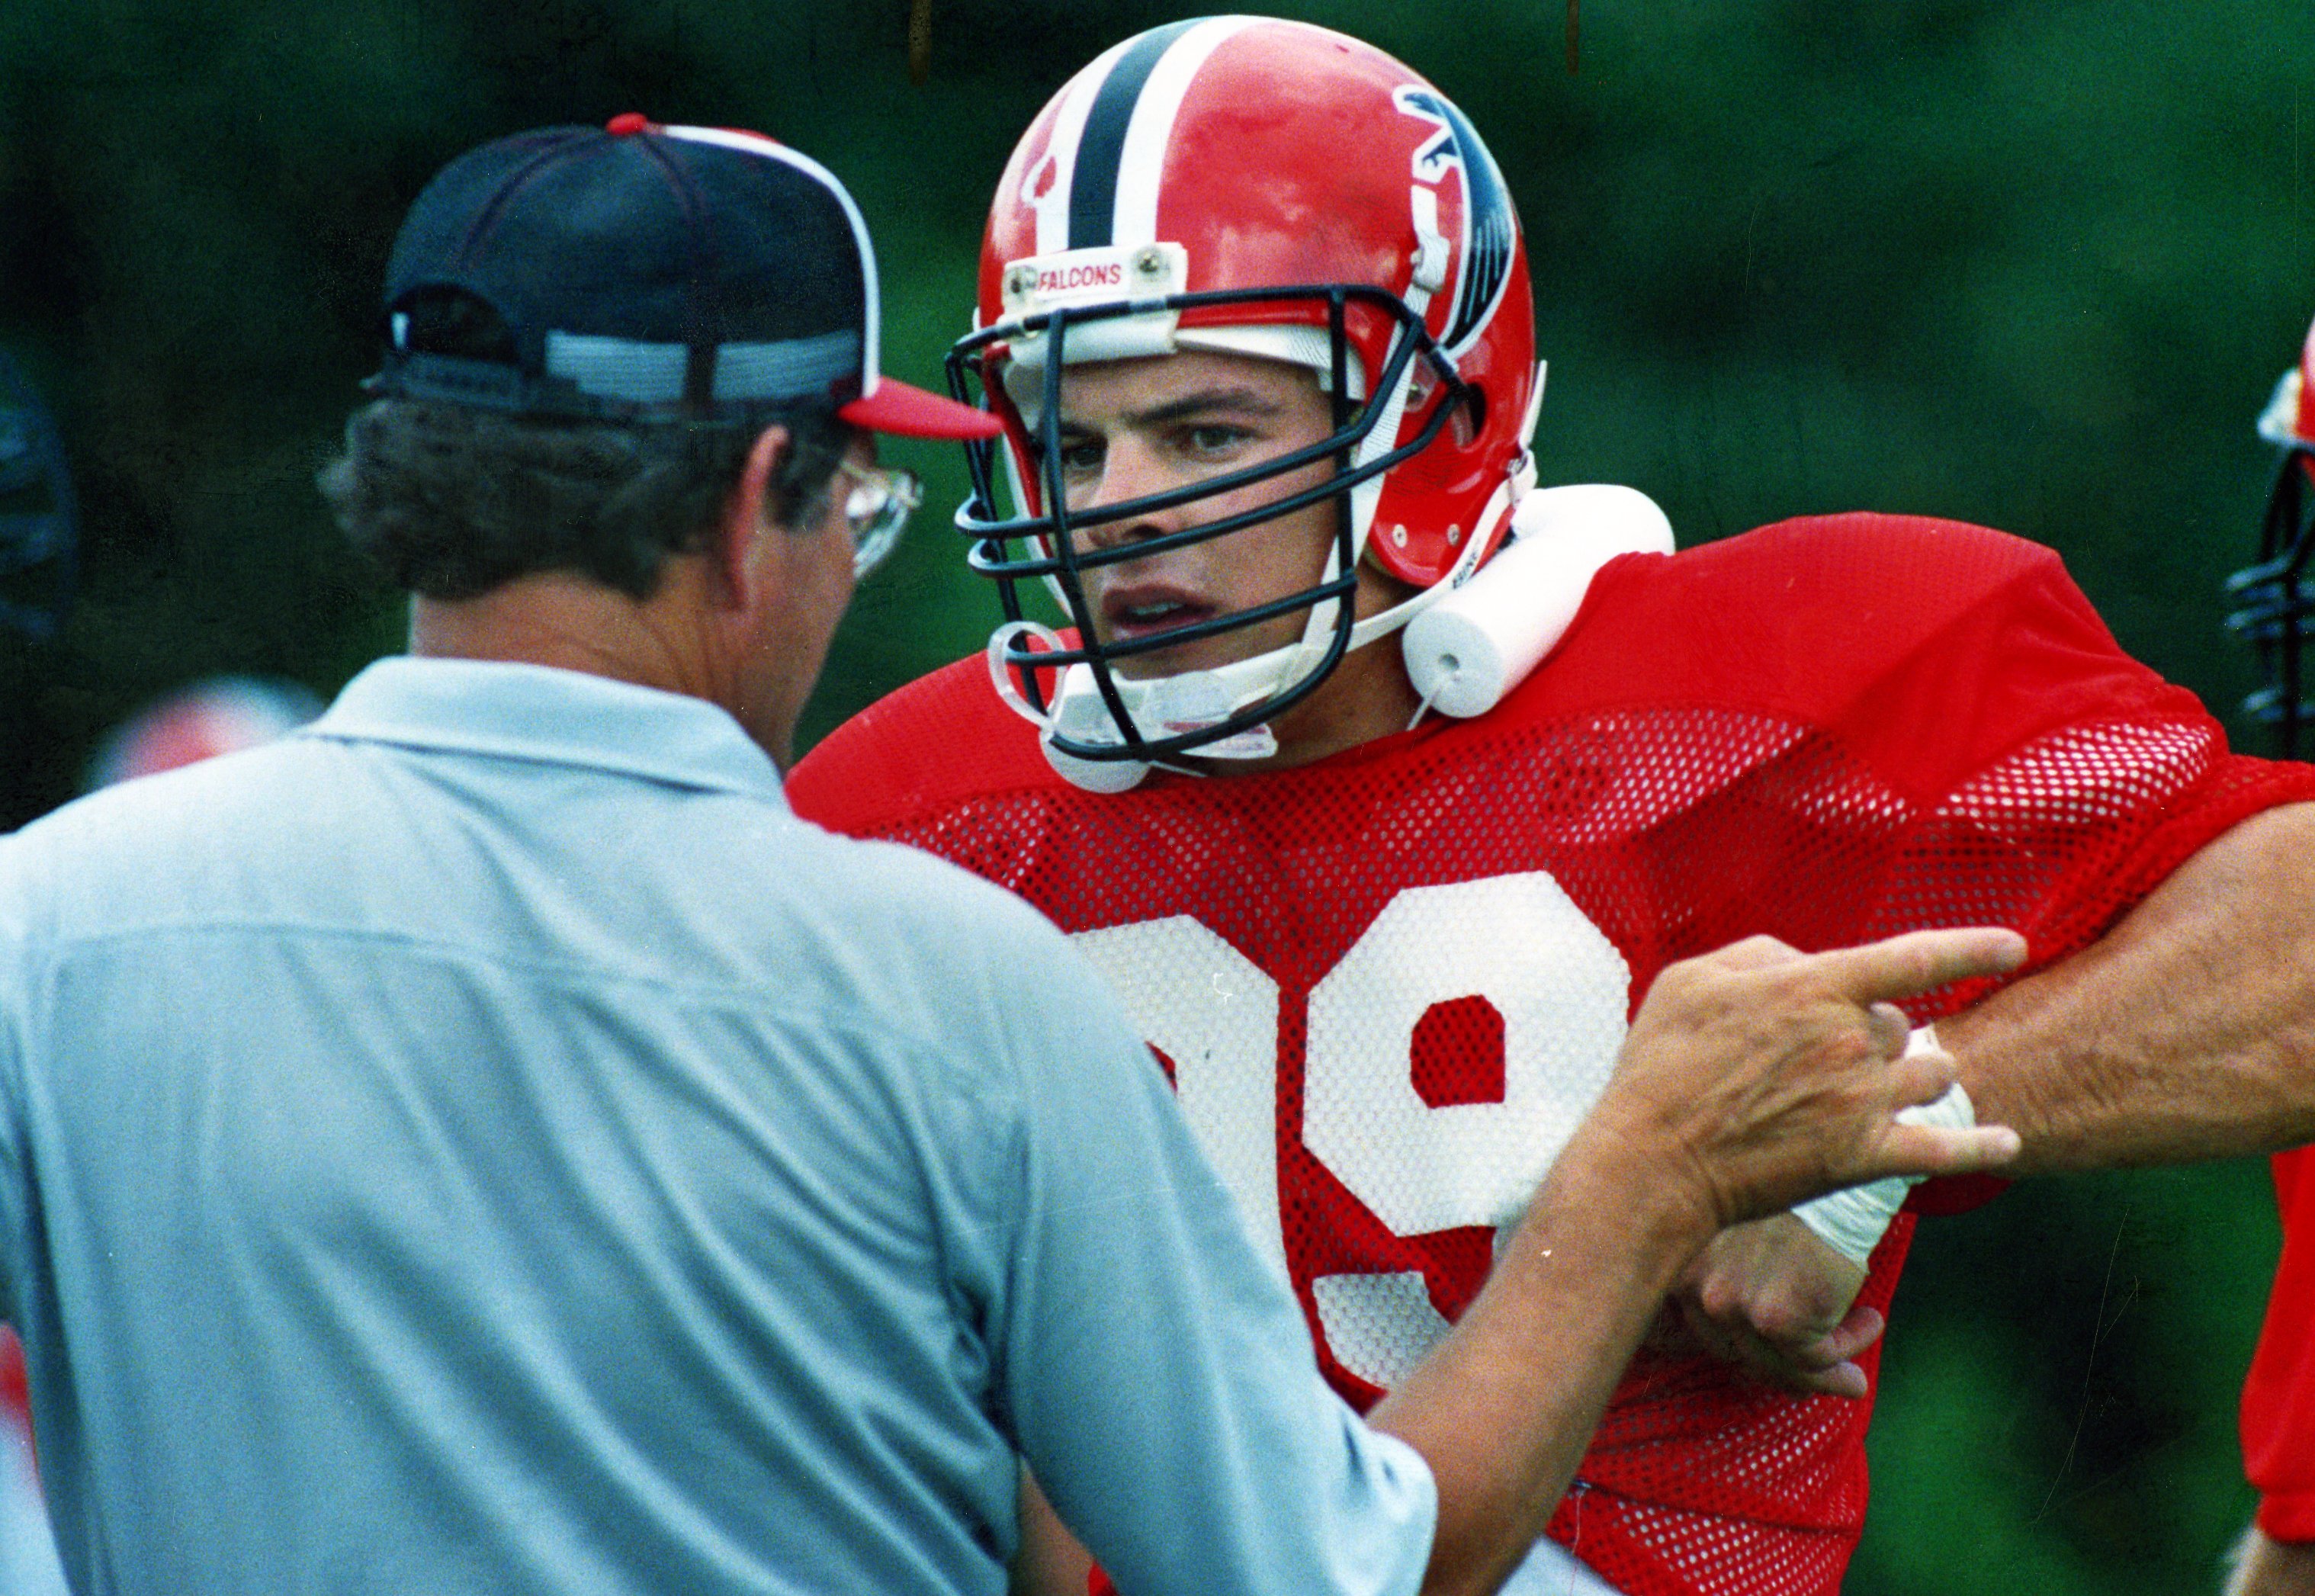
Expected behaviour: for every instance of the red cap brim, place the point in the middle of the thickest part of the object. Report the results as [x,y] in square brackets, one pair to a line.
[913,412]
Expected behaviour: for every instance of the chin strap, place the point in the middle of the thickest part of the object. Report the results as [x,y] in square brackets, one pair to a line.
[1468,644]
[1159,706]
[1191,700]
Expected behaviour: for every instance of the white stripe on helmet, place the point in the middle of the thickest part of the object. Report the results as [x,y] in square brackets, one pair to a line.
[1053,207]
[1141,163]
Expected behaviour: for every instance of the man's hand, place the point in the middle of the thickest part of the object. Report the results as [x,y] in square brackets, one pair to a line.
[1771,1299]
[1051,1561]
[1770,1075]
[1753,1079]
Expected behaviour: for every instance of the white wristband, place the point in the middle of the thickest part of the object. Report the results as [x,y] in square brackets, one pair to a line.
[1852,1222]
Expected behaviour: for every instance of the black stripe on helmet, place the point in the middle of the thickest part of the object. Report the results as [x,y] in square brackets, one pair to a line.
[1093,184]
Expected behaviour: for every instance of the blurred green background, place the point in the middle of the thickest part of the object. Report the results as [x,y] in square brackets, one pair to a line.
[2030,263]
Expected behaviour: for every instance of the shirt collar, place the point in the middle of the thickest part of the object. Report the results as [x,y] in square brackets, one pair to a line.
[542,712]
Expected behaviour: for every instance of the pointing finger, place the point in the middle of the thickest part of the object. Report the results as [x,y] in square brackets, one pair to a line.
[1903,966]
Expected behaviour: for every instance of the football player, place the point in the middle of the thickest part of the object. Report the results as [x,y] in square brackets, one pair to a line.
[1382,889]
[2277,1555]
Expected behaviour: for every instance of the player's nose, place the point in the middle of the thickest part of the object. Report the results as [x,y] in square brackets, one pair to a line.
[1130,471]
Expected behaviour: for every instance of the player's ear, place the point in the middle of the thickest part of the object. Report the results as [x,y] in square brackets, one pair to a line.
[748,519]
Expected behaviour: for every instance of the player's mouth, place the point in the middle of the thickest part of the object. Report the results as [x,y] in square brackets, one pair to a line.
[1146,610]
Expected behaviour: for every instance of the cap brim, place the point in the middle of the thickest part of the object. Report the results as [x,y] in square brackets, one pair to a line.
[913,412]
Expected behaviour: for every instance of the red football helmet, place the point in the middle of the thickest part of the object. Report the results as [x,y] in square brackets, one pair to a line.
[1261,188]
[2275,595]
[222,715]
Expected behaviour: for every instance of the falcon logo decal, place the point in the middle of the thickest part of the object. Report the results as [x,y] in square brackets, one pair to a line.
[1489,232]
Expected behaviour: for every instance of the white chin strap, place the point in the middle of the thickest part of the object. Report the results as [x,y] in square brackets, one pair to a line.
[1455,669]
[1468,645]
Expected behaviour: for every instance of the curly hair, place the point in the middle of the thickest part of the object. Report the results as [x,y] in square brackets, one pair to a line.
[450,502]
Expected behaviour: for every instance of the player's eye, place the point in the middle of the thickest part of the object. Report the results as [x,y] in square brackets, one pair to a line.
[1213,438]
[1081,456]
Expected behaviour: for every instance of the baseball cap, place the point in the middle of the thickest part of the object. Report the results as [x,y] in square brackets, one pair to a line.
[640,271]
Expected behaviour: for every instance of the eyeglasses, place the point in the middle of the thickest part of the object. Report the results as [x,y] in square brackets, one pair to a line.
[876,511]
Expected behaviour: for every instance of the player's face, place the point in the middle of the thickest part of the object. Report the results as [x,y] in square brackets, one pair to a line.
[1132,428]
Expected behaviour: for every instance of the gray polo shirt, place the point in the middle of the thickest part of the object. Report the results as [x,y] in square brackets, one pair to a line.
[485,1143]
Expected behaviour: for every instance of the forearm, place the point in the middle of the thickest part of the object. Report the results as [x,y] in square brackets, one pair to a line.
[2264,1567]
[1503,1408]
[2187,1031]
[1051,1561]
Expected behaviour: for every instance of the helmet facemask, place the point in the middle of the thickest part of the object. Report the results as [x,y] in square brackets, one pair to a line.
[1221,712]
[2274,598]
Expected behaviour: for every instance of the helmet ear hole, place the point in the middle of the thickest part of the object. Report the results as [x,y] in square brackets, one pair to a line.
[1467,422]
[1470,423]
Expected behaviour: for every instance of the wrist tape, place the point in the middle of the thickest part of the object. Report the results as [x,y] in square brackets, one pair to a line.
[1852,1222]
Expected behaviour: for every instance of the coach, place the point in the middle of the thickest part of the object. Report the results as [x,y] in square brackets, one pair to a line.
[483,1142]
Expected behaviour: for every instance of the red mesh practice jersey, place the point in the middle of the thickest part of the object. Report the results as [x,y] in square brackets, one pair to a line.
[1388,984]
[2278,1399]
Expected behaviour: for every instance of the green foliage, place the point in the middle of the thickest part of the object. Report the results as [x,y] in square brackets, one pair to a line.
[2060,1386]
[2031,262]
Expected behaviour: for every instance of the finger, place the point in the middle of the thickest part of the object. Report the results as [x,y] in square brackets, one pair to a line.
[1921,1077]
[1843,1379]
[1782,1368]
[1919,960]
[1860,1329]
[1811,1357]
[1827,1366]
[1940,1149]
[1889,1027]
[1760,951]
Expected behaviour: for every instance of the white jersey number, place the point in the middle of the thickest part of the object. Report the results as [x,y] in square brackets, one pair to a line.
[1518,942]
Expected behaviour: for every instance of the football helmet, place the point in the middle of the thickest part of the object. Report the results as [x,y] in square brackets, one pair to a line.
[222,715]
[1252,187]
[39,521]
[2273,597]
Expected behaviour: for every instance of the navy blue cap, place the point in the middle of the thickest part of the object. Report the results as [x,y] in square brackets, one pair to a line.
[643,271]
